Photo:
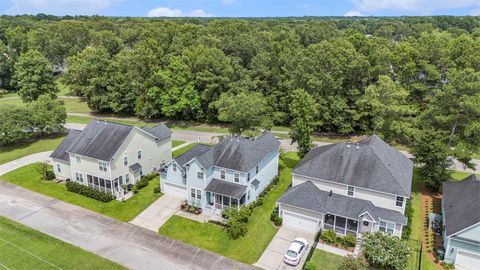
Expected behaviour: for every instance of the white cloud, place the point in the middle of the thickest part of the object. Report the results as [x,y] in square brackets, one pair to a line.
[60,7]
[174,12]
[353,13]
[421,6]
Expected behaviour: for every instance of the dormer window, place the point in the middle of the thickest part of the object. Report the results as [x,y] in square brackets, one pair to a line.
[350,191]
[399,201]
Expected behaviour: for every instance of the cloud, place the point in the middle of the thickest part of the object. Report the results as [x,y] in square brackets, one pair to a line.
[421,6]
[353,13]
[60,7]
[174,12]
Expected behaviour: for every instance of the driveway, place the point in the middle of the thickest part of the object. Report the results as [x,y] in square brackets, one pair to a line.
[15,164]
[272,257]
[123,243]
[158,212]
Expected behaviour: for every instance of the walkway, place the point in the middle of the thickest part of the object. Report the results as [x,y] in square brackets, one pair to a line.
[180,146]
[15,164]
[334,250]
[158,212]
[123,243]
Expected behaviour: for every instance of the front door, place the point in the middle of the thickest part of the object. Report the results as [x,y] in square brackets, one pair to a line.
[218,201]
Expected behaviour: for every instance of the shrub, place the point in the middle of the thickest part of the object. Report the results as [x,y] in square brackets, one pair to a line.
[273,215]
[237,221]
[141,183]
[89,192]
[310,266]
[329,236]
[278,221]
[258,202]
[407,230]
[49,175]
[354,263]
[348,240]
[156,189]
[42,168]
[386,251]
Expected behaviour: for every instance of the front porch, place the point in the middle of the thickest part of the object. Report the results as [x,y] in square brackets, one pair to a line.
[343,225]
[221,195]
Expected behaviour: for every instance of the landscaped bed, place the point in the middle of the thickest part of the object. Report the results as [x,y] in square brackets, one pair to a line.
[247,249]
[29,178]
[25,248]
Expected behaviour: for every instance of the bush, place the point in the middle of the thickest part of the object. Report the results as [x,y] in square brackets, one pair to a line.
[273,215]
[278,221]
[156,189]
[348,240]
[237,221]
[49,175]
[329,236]
[407,229]
[386,251]
[258,202]
[310,266]
[89,192]
[352,263]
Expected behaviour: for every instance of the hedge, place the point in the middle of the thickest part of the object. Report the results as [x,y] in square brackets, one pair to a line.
[89,192]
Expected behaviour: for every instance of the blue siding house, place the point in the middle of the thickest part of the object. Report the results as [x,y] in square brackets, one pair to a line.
[461,223]
[230,174]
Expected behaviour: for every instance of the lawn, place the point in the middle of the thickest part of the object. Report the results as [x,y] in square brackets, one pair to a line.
[9,153]
[247,249]
[182,150]
[29,178]
[326,260]
[177,143]
[72,105]
[64,90]
[24,248]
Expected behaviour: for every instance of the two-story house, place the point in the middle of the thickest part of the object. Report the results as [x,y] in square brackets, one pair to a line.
[461,222]
[107,155]
[350,188]
[230,174]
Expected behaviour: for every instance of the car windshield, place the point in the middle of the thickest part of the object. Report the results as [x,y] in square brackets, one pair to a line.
[291,253]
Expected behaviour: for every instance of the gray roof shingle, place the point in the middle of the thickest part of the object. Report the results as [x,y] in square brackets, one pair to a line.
[226,188]
[370,163]
[310,197]
[461,202]
[61,150]
[196,151]
[135,167]
[159,131]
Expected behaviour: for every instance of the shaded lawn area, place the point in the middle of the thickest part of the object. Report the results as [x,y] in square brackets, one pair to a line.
[64,90]
[177,142]
[247,249]
[27,177]
[182,150]
[326,260]
[12,152]
[14,237]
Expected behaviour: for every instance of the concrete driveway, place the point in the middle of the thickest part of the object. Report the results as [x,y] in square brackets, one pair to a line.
[272,257]
[123,243]
[158,212]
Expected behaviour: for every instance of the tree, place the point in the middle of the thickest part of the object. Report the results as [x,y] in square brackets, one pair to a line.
[7,62]
[33,76]
[432,155]
[42,168]
[385,106]
[303,111]
[244,112]
[48,115]
[15,124]
[354,263]
[386,251]
[237,221]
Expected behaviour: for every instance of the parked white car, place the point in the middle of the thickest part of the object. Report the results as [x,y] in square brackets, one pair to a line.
[295,252]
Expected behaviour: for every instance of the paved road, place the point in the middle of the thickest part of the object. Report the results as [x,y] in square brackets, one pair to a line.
[126,244]
[15,164]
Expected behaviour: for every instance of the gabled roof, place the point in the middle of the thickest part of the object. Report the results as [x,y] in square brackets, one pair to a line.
[135,167]
[60,152]
[310,197]
[461,202]
[196,151]
[238,153]
[370,163]
[226,188]
[159,131]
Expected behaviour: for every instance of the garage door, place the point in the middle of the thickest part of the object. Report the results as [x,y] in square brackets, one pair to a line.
[467,261]
[302,222]
[175,190]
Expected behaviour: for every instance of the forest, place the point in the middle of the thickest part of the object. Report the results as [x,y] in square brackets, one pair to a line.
[401,78]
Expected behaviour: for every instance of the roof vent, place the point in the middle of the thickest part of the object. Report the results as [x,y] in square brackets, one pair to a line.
[331,193]
[358,146]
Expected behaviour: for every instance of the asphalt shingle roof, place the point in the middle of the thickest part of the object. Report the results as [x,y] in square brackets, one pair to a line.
[226,188]
[60,152]
[135,167]
[310,197]
[461,202]
[196,151]
[370,163]
[159,131]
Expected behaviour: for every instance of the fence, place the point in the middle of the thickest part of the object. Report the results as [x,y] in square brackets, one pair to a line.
[415,262]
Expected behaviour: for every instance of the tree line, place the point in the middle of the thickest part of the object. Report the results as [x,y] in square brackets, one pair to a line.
[396,77]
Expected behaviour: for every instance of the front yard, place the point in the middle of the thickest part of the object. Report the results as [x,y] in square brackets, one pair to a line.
[29,178]
[24,248]
[247,249]
[326,260]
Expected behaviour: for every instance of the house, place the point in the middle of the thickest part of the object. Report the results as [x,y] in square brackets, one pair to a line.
[230,174]
[461,222]
[349,188]
[107,155]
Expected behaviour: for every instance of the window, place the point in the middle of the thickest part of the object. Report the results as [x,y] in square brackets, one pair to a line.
[125,160]
[350,191]
[256,170]
[79,177]
[102,166]
[222,174]
[199,194]
[237,177]
[399,201]
[59,168]
[200,175]
[78,159]
[387,227]
[139,154]
[248,195]
[141,173]
[192,193]
[174,167]
[248,177]
[127,178]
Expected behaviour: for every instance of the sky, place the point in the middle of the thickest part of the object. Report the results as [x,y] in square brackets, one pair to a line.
[241,8]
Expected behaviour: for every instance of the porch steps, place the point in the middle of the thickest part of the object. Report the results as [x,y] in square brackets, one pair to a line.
[358,246]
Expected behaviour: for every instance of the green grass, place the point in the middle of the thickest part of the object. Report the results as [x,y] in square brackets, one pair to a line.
[197,127]
[476,156]
[177,143]
[19,244]
[87,119]
[8,95]
[72,105]
[183,150]
[29,178]
[64,90]
[9,153]
[326,260]
[247,249]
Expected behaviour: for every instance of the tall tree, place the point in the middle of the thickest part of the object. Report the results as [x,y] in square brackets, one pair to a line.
[245,112]
[7,62]
[15,124]
[303,111]
[48,115]
[33,76]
